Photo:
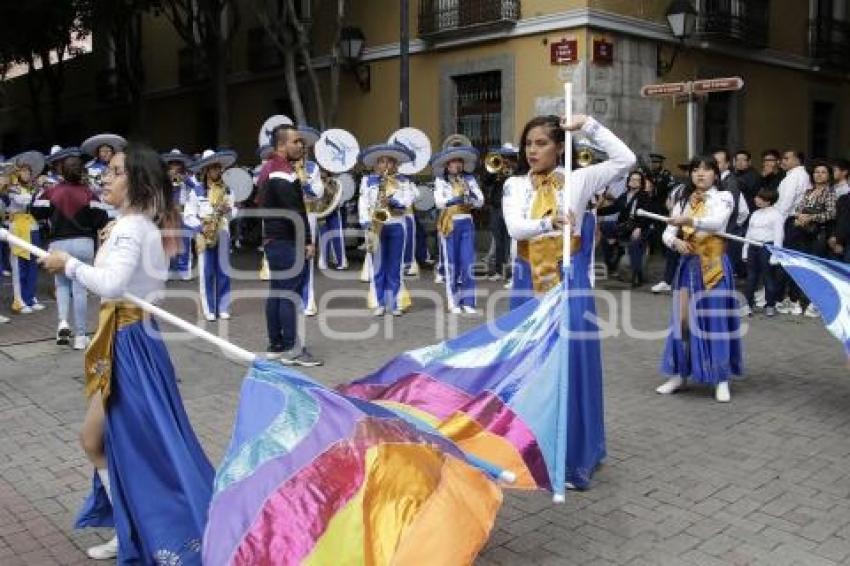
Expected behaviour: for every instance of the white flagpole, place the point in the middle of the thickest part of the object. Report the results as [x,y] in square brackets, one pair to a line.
[233,350]
[653,216]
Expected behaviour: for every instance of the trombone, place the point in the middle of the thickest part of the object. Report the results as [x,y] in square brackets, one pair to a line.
[495,164]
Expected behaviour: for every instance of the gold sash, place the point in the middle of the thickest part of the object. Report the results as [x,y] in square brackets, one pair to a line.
[114,315]
[545,254]
[21,224]
[445,224]
[709,247]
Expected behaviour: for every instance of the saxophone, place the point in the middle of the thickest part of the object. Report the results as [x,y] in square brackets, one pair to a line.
[381,211]
[210,225]
[460,188]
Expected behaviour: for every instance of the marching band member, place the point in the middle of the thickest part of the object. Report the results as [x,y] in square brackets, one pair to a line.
[209,210]
[411,266]
[54,164]
[21,191]
[152,480]
[101,147]
[264,153]
[332,238]
[310,175]
[704,343]
[183,186]
[533,209]
[384,196]
[456,193]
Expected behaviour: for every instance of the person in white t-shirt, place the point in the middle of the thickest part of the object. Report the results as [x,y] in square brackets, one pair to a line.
[767,226]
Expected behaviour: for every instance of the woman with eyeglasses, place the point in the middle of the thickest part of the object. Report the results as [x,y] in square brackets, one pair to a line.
[153,481]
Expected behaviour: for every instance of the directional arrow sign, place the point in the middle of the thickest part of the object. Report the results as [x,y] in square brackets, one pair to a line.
[667,89]
[718,85]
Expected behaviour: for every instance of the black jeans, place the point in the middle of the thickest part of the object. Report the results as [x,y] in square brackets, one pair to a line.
[287,268]
[758,267]
[501,239]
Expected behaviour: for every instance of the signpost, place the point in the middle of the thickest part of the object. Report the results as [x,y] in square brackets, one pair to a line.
[691,90]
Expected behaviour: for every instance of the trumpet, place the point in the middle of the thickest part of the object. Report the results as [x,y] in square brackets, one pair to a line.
[495,164]
[584,158]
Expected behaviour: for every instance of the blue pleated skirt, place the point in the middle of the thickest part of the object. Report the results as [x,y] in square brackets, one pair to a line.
[711,350]
[585,405]
[161,480]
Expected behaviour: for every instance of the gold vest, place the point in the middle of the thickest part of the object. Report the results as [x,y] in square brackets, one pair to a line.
[709,247]
[545,254]
[445,223]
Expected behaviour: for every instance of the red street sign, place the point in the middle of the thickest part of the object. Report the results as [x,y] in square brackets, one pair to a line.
[718,85]
[564,52]
[667,89]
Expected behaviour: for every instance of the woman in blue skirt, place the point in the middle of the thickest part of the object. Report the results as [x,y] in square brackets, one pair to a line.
[534,215]
[152,482]
[704,343]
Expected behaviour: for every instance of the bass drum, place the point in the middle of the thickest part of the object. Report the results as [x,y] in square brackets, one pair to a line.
[347,187]
[240,182]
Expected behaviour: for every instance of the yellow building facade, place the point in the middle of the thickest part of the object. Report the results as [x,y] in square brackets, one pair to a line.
[484,67]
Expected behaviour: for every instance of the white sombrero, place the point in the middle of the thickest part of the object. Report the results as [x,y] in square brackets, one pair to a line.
[176,156]
[225,158]
[32,159]
[370,155]
[58,154]
[309,134]
[468,154]
[508,149]
[91,145]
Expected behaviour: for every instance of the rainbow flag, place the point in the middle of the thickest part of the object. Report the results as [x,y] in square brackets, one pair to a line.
[314,477]
[496,391]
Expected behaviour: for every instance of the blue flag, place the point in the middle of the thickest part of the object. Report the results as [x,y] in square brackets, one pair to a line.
[826,283]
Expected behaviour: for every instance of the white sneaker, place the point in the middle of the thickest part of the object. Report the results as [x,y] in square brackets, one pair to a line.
[721,392]
[63,334]
[671,385]
[4,319]
[224,315]
[7,273]
[38,307]
[105,551]
[796,309]
[783,307]
[746,311]
[379,311]
[397,312]
[812,311]
[469,310]
[508,284]
[438,278]
[81,342]
[455,310]
[759,297]
[210,317]
[322,266]
[25,310]
[661,287]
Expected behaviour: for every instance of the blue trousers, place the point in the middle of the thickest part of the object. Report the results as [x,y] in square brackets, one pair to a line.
[214,268]
[387,265]
[758,267]
[181,264]
[25,275]
[332,238]
[459,257]
[4,257]
[285,284]
[409,240]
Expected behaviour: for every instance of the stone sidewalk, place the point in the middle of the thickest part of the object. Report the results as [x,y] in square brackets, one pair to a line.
[762,480]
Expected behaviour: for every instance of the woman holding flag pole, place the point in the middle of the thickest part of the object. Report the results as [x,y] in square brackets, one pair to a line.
[539,209]
[153,482]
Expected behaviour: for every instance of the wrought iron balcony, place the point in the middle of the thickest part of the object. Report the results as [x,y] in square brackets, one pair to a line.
[830,42]
[443,19]
[734,21]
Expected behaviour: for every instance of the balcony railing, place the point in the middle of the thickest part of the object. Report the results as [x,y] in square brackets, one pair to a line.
[439,19]
[830,42]
[734,21]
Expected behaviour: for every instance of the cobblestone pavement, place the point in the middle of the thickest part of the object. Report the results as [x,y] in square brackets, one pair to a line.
[762,480]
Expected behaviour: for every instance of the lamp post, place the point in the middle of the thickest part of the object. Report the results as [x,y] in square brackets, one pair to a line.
[682,19]
[351,43]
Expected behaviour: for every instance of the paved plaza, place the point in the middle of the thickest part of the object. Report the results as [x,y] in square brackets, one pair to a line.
[764,479]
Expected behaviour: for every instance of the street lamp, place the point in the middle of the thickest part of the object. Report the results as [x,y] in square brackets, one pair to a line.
[351,43]
[682,19]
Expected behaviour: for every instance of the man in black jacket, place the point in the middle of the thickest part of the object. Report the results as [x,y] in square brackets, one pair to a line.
[287,244]
[748,179]
[740,210]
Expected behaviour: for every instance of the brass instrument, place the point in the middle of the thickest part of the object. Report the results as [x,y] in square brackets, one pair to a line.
[210,225]
[495,164]
[584,158]
[380,212]
[330,198]
[445,222]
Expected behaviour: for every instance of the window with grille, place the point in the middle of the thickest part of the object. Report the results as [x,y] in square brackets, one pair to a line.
[478,106]
[716,123]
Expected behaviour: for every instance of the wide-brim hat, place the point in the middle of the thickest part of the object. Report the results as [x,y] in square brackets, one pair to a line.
[176,156]
[265,152]
[59,154]
[91,145]
[225,158]
[32,159]
[468,154]
[370,155]
[309,134]
[507,149]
